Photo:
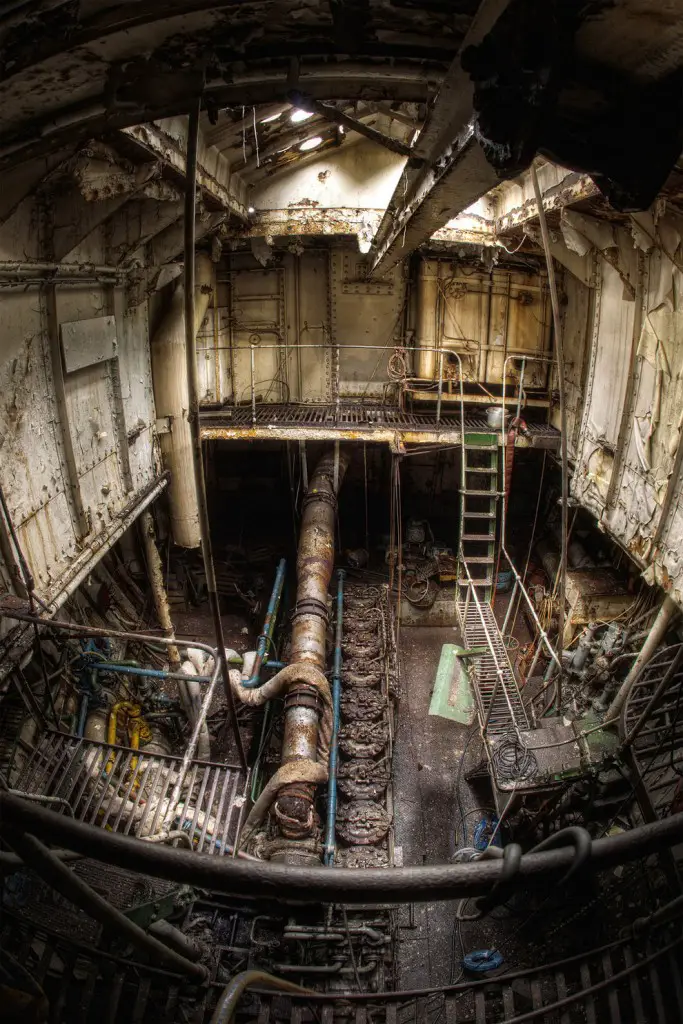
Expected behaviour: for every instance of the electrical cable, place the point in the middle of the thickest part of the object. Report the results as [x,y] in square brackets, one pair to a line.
[512,761]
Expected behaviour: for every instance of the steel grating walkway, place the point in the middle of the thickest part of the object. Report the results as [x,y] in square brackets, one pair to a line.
[507,711]
[355,416]
[129,791]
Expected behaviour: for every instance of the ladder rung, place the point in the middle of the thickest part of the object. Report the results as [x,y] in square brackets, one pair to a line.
[486,582]
[481,469]
[479,536]
[479,559]
[481,447]
[480,494]
[478,515]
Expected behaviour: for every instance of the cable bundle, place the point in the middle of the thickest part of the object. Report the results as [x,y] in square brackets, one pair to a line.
[513,762]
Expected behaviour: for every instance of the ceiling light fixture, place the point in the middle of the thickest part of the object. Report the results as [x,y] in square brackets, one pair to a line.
[300,115]
[310,143]
[250,209]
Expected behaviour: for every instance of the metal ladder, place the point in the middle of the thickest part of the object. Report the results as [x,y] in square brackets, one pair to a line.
[479,496]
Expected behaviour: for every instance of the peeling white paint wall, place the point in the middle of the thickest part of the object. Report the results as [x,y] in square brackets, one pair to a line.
[627,471]
[33,467]
[359,176]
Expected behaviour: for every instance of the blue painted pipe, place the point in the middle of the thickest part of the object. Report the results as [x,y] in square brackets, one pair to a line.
[330,841]
[83,713]
[268,626]
[157,673]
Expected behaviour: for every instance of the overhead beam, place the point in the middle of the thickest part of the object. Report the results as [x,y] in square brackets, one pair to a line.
[136,95]
[351,19]
[336,116]
[454,173]
[515,203]
[461,177]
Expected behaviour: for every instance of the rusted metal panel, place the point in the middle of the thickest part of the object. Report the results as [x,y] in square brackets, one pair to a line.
[86,342]
[515,203]
[364,313]
[33,466]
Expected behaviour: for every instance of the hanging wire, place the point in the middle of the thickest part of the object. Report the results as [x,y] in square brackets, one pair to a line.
[258,160]
[244,139]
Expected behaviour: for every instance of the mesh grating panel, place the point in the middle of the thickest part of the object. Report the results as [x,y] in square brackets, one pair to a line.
[352,415]
[502,718]
[131,792]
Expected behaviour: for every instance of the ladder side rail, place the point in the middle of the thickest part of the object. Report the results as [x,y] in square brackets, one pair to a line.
[500,673]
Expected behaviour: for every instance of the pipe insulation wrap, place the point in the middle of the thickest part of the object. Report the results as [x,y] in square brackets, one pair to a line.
[309,715]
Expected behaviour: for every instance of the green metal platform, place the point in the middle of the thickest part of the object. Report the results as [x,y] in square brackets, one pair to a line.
[452,696]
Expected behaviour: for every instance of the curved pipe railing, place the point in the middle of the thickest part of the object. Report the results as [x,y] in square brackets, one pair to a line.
[279,883]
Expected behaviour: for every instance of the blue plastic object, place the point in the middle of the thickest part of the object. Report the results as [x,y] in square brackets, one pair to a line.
[482,834]
[479,961]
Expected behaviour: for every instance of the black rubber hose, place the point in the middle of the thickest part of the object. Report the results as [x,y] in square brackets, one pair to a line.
[502,890]
[281,883]
[582,842]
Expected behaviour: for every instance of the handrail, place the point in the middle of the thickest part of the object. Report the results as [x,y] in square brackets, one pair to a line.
[519,583]
[279,883]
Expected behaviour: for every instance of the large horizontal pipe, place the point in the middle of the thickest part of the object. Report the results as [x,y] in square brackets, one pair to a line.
[313,885]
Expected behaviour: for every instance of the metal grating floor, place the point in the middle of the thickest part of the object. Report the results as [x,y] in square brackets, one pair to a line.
[128,791]
[502,719]
[633,980]
[352,416]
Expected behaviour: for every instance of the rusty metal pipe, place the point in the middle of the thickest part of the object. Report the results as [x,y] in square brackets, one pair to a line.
[303,709]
